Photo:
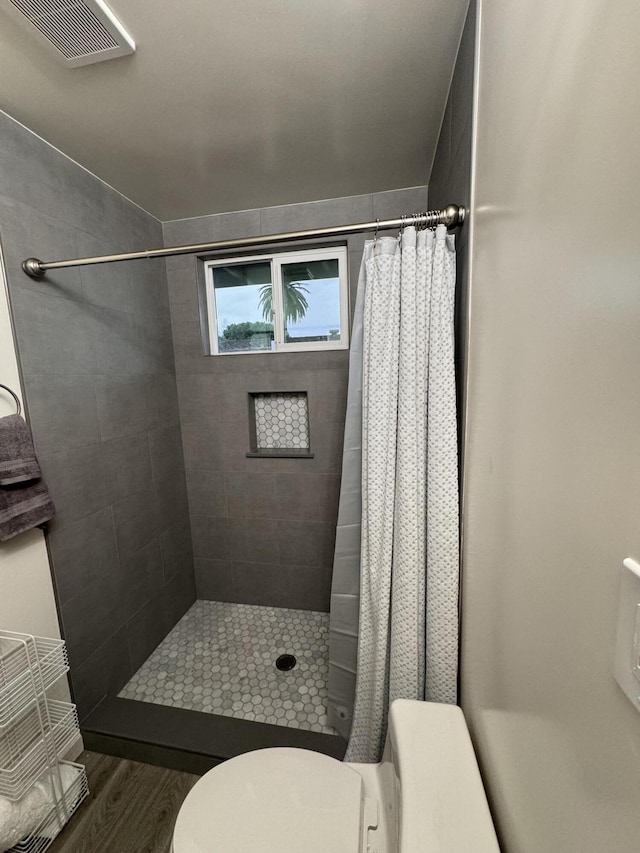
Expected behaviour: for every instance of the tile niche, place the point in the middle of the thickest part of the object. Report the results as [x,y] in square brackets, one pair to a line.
[279,424]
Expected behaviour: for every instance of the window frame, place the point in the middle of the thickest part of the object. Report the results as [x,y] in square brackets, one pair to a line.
[277,260]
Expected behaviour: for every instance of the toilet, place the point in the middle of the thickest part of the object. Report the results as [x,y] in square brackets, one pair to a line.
[425,795]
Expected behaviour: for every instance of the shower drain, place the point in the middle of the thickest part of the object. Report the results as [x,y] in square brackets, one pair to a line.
[286,662]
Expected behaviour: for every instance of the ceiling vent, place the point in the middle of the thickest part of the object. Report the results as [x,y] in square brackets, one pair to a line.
[77,32]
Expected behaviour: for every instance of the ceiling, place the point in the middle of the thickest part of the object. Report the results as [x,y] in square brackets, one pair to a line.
[243,103]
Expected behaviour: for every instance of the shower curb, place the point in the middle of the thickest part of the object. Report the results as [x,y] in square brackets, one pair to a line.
[191,741]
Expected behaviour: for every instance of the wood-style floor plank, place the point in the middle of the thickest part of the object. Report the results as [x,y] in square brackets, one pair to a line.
[132,808]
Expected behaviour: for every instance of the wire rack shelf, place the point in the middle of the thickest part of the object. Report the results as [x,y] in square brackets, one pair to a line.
[60,811]
[39,790]
[28,667]
[24,751]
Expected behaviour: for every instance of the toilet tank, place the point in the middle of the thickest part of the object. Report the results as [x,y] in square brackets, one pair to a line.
[430,785]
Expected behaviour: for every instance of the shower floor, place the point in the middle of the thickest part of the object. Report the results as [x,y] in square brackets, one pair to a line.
[220,658]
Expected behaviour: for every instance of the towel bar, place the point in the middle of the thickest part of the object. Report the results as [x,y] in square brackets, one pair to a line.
[15,397]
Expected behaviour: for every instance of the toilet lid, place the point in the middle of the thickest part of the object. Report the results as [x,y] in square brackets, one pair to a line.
[273,801]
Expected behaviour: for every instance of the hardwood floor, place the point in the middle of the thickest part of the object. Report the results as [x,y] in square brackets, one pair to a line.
[131,809]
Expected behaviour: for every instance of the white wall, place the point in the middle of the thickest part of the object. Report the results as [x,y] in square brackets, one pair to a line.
[26,590]
[552,469]
[27,603]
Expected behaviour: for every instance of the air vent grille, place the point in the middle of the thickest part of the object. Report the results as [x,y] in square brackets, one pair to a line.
[82,31]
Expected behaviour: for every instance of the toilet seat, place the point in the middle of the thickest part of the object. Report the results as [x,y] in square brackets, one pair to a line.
[279,800]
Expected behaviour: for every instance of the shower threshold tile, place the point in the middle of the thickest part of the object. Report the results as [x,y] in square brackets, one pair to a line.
[221,659]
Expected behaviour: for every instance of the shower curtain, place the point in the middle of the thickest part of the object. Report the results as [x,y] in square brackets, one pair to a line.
[394,603]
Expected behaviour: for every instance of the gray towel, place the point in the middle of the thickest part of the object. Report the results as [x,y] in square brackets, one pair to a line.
[24,498]
[23,506]
[18,463]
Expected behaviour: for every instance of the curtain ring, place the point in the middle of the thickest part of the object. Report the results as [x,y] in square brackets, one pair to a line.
[402,225]
[375,236]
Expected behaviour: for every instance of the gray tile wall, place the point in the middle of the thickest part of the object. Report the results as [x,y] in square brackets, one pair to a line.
[263,529]
[450,180]
[97,357]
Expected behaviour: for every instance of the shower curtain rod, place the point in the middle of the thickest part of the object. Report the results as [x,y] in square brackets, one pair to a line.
[450,216]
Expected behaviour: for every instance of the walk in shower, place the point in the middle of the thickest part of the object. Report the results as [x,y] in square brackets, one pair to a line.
[187,557]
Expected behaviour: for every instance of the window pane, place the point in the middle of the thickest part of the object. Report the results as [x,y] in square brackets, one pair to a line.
[243,307]
[311,298]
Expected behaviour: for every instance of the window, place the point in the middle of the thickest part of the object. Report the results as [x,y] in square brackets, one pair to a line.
[292,301]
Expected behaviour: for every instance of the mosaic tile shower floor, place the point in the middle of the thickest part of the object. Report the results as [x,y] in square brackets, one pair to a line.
[220,659]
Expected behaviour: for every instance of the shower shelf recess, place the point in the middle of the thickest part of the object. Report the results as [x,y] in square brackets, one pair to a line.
[279,425]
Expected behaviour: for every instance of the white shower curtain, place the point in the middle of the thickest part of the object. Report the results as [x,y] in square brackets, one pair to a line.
[408,584]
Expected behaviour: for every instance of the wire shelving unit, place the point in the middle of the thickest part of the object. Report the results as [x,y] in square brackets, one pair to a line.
[39,791]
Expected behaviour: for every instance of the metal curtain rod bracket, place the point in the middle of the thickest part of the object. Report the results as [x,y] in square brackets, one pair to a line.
[450,216]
